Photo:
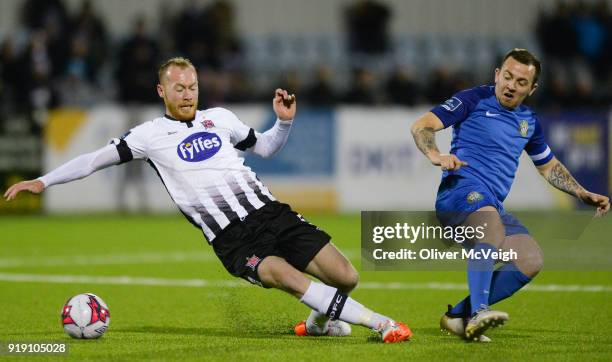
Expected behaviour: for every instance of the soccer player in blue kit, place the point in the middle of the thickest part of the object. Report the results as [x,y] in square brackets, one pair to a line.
[491,128]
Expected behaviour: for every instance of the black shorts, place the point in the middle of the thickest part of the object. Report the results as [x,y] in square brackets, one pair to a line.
[275,230]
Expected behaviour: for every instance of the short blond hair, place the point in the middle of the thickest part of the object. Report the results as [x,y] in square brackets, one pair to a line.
[177,61]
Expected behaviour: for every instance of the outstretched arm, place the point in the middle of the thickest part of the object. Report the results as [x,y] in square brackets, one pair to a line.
[558,175]
[423,132]
[74,169]
[273,140]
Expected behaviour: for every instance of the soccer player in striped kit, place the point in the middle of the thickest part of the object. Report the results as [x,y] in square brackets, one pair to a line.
[256,237]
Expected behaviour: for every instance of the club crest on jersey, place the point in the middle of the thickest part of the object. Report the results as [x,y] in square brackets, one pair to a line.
[199,147]
[474,196]
[207,123]
[451,104]
[524,128]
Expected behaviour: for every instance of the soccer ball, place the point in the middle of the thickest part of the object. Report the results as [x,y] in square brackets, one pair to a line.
[85,316]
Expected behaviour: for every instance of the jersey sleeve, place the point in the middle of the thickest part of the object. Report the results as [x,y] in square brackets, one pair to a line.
[241,135]
[458,107]
[132,145]
[537,148]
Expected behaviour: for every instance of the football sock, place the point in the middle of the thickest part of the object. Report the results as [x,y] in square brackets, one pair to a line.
[480,272]
[337,305]
[506,281]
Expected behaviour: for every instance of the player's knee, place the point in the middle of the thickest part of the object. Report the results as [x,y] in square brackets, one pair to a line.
[353,278]
[349,280]
[266,273]
[531,263]
[537,262]
[270,272]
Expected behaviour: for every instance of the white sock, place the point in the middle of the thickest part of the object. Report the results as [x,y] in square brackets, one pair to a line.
[320,297]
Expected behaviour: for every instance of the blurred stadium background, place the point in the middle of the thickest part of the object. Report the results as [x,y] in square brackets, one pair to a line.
[77,73]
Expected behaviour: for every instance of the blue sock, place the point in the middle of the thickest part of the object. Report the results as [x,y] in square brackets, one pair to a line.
[506,281]
[479,275]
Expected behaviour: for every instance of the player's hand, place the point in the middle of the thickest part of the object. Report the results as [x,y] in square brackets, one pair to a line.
[448,162]
[600,201]
[284,105]
[34,186]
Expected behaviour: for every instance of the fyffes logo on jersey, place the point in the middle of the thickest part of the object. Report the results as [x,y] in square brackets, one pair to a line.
[199,147]
[524,128]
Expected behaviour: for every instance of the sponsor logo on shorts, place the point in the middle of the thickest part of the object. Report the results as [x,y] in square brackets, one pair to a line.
[199,147]
[524,128]
[474,196]
[252,262]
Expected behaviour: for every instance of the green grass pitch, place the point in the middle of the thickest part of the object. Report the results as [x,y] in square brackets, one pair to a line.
[228,319]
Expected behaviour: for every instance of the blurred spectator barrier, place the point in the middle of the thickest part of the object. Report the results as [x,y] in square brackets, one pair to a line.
[20,159]
[345,158]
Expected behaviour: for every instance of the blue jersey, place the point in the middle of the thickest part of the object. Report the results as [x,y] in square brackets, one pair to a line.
[491,138]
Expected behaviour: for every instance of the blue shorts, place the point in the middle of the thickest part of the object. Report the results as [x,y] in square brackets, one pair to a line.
[459,196]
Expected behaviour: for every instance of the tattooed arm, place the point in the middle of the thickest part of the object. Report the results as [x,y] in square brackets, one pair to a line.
[557,175]
[423,132]
[560,177]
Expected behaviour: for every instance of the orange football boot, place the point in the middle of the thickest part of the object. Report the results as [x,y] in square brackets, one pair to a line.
[393,332]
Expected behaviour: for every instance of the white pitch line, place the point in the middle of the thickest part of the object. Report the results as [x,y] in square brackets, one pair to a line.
[203,283]
[118,280]
[461,286]
[107,259]
[114,259]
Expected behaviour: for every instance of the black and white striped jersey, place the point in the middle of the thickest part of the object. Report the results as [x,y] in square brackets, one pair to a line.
[200,166]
